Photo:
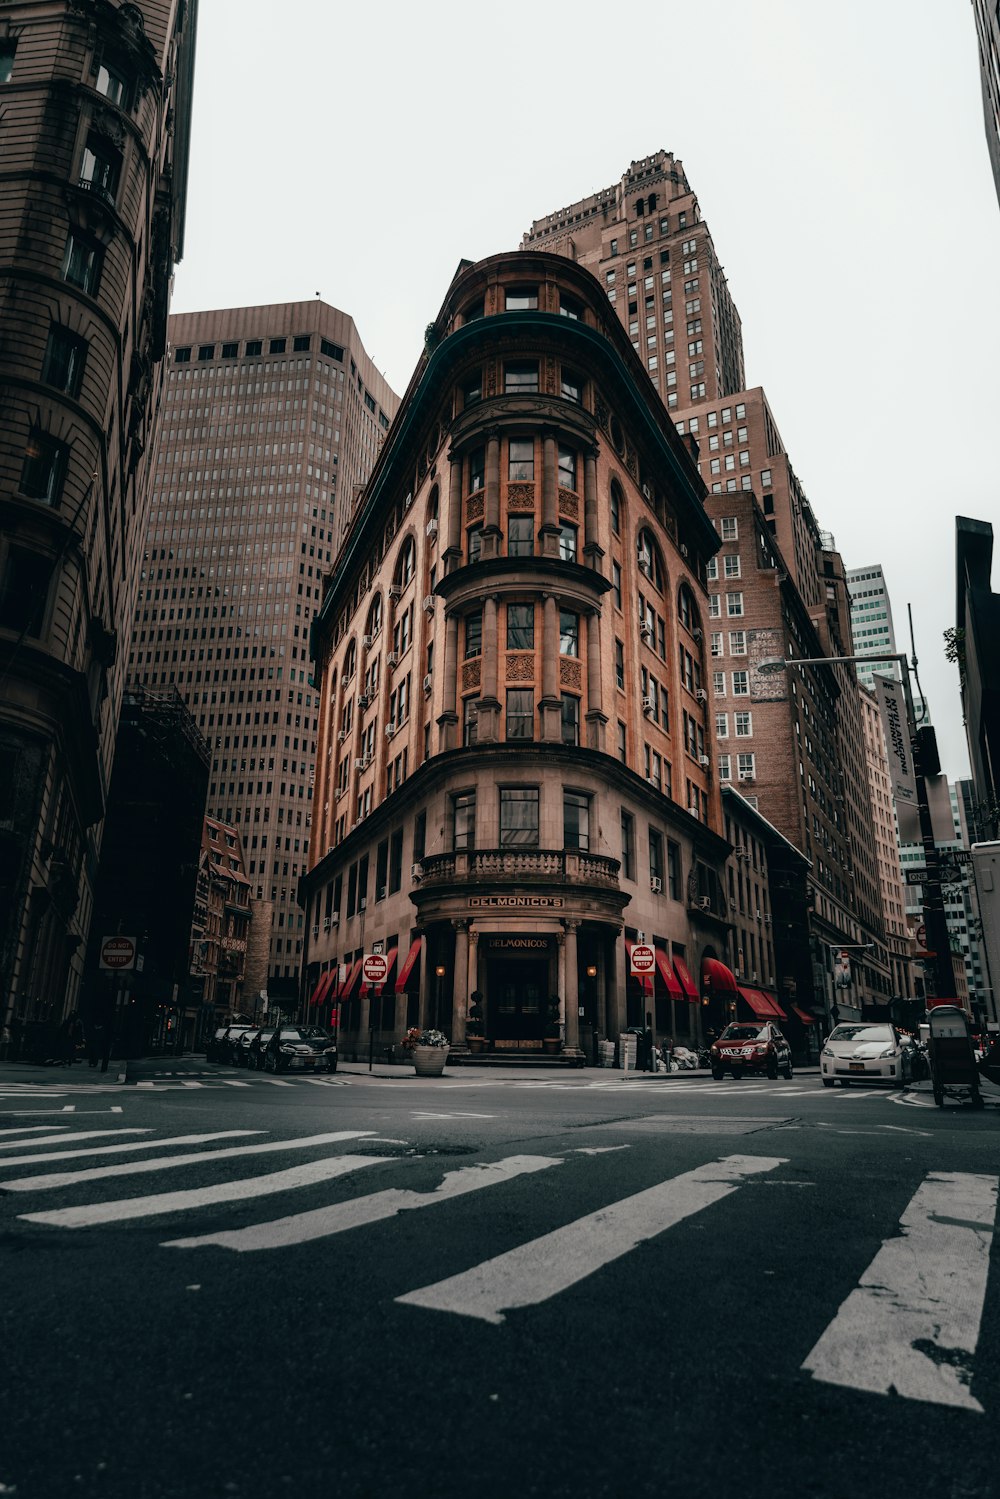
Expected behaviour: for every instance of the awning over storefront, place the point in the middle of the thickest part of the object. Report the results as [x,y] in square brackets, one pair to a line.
[688,986]
[806,1019]
[668,975]
[408,966]
[347,986]
[321,989]
[759,1003]
[390,959]
[644,980]
[717,976]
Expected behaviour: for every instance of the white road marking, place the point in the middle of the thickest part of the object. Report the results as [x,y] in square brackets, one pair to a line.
[533,1272]
[305,1175]
[275,1082]
[424,1114]
[340,1217]
[28,1129]
[69,1155]
[911,1325]
[904,1129]
[164,1163]
[76,1134]
[596,1149]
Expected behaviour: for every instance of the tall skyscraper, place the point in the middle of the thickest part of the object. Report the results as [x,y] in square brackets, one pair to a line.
[272,419]
[95,105]
[652,252]
[871,622]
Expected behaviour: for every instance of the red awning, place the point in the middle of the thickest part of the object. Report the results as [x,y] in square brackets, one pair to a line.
[806,1019]
[390,959]
[775,1006]
[668,975]
[688,985]
[717,976]
[757,1002]
[645,980]
[344,991]
[320,991]
[408,965]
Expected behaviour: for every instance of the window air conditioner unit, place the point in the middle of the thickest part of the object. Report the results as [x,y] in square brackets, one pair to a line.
[364,899]
[427,682]
[655,886]
[315,931]
[335,919]
[390,728]
[363,700]
[407,501]
[416,871]
[649,705]
[428,603]
[704,762]
[382,892]
[366,641]
[362,763]
[326,923]
[341,736]
[432,528]
[704,903]
[698,634]
[732,905]
[701,694]
[395,590]
[767,921]
[392,659]
[747,776]
[683,549]
[645,630]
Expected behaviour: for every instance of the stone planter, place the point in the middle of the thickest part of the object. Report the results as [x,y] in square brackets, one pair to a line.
[477,1044]
[428,1061]
[551,1045]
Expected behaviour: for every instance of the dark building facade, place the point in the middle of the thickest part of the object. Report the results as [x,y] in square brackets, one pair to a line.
[988,35]
[977,631]
[514,775]
[95,102]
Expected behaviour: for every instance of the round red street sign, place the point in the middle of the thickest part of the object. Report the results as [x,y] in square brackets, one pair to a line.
[117,952]
[643,958]
[375,967]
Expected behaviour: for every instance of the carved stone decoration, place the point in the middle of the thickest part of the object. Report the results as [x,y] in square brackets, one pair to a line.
[570,674]
[491,379]
[601,413]
[475,505]
[551,381]
[520,496]
[471,674]
[104,123]
[631,461]
[520,667]
[569,504]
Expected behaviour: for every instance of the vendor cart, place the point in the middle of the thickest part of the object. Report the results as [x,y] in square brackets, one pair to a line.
[952,1058]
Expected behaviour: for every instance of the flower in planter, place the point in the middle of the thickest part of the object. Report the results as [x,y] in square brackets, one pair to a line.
[416,1037]
[475,1025]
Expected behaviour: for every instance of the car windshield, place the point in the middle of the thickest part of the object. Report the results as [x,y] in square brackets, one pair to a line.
[861,1033]
[744,1033]
[313,1033]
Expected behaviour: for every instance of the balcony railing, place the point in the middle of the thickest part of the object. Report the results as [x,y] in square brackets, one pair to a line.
[491,866]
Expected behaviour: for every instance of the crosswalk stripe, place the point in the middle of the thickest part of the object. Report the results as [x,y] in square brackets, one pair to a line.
[60,1139]
[305,1175]
[912,1324]
[164,1163]
[276,1082]
[128,1145]
[29,1129]
[341,1216]
[535,1271]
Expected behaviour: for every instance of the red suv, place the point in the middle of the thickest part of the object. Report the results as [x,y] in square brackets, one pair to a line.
[754,1046]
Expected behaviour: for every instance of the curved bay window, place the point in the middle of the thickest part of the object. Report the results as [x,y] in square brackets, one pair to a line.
[521,536]
[475,543]
[519,817]
[567,468]
[520,713]
[570,719]
[477,469]
[520,376]
[569,633]
[470,721]
[520,627]
[520,460]
[576,820]
[567,542]
[473,635]
[648,558]
[463,820]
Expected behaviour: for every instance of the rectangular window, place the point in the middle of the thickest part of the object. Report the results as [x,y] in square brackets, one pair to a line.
[100,169]
[714,606]
[744,725]
[717,643]
[477,469]
[255,347]
[182,356]
[81,262]
[725,768]
[570,719]
[747,766]
[576,820]
[622,743]
[8,46]
[741,684]
[521,459]
[732,565]
[719,683]
[655,855]
[737,642]
[332,351]
[571,386]
[44,469]
[520,376]
[616,583]
[520,536]
[569,633]
[567,467]
[570,307]
[300,343]
[673,869]
[521,298]
[277,346]
[628,845]
[619,665]
[734,604]
[722,726]
[112,83]
[520,713]
[519,817]
[520,627]
[472,390]
[473,635]
[567,543]
[62,366]
[470,720]
[206,352]
[230,351]
[24,590]
[463,820]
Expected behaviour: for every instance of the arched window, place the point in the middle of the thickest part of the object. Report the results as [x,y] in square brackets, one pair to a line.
[687,609]
[351,661]
[432,504]
[648,558]
[407,563]
[617,507]
[374,624]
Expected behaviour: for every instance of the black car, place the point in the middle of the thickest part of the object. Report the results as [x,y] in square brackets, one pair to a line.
[301,1048]
[226,1048]
[241,1048]
[255,1058]
[214,1042]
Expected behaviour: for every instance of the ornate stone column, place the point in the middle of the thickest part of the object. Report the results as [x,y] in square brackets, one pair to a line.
[460,979]
[614,988]
[426,981]
[472,980]
[550,705]
[453,520]
[597,719]
[448,717]
[571,989]
[549,530]
[561,974]
[491,517]
[489,703]
[593,552]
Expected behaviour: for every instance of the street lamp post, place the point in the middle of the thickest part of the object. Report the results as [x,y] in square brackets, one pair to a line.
[934,916]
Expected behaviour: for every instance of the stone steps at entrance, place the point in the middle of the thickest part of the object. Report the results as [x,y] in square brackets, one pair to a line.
[515,1059]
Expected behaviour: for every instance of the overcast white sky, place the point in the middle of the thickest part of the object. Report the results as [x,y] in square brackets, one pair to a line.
[839,158]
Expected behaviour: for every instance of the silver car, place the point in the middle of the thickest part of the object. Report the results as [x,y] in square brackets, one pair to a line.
[862,1051]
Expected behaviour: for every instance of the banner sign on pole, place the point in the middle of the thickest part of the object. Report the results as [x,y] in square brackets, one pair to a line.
[892,706]
[842,971]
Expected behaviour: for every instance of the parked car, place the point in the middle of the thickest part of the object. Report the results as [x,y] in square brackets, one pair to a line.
[229,1041]
[255,1061]
[241,1047]
[751,1046]
[867,1052]
[214,1042]
[301,1048]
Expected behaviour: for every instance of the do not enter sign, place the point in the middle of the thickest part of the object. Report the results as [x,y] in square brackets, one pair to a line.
[117,953]
[375,967]
[643,958]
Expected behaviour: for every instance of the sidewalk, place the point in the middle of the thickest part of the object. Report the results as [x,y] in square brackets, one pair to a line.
[35,1075]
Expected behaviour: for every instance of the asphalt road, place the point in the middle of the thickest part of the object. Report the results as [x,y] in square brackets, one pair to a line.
[493,1284]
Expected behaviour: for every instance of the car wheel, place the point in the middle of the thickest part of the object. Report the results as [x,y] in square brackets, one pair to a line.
[844,1083]
[786,1073]
[718,1073]
[772,1070]
[269,1063]
[737,1074]
[828,1082]
[331,1066]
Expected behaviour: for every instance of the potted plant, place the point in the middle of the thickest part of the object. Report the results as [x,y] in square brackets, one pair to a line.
[428,1049]
[551,1041]
[475,1025]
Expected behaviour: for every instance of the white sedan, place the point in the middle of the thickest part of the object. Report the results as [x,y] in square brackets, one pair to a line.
[861,1051]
